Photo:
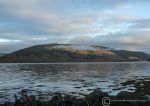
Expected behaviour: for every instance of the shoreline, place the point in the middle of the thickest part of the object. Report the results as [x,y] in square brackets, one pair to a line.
[140,97]
[75,62]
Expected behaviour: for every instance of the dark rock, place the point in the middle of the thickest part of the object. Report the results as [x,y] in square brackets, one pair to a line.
[125,95]
[56,100]
[95,98]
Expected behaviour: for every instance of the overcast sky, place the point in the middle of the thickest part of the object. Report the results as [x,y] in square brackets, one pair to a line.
[120,24]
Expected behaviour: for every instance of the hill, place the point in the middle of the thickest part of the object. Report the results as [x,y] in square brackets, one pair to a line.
[72,53]
[2,54]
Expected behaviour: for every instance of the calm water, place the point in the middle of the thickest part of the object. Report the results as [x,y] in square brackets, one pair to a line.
[72,78]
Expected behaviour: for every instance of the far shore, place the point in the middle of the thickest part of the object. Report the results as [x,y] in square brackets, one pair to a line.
[74,62]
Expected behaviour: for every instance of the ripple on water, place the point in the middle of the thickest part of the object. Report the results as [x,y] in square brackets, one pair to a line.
[43,79]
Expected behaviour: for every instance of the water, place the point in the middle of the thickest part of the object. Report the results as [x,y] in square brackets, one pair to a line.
[72,78]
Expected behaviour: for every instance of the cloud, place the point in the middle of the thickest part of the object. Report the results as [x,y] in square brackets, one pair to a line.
[45,16]
[143,24]
[129,41]
[111,22]
[8,41]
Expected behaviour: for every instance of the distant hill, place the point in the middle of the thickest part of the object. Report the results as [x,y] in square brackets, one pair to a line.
[72,53]
[2,54]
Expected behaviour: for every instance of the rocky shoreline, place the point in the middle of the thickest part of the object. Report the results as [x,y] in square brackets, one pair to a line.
[140,97]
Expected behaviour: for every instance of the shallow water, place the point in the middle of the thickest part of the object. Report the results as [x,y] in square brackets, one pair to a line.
[72,78]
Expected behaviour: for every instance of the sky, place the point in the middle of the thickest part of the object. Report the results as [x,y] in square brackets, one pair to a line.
[119,24]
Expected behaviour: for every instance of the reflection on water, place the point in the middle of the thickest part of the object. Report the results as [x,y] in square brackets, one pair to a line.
[79,78]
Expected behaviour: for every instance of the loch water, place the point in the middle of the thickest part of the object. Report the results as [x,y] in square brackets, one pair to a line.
[78,79]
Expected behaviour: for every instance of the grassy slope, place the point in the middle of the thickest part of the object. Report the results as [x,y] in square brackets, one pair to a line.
[46,53]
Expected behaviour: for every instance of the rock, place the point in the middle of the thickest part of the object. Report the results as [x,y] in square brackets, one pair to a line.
[95,98]
[56,100]
[147,97]
[96,93]
[125,95]
[67,101]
